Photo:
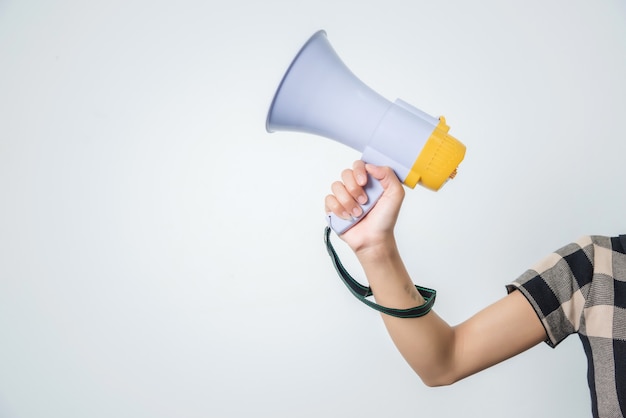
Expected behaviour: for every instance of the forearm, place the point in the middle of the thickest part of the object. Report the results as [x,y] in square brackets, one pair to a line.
[441,354]
[427,342]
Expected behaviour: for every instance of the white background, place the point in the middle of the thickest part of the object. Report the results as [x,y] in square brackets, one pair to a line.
[161,255]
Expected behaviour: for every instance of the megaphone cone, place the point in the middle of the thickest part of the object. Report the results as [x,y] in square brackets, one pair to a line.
[320,95]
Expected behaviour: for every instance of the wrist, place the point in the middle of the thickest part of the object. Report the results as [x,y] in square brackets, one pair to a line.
[377,250]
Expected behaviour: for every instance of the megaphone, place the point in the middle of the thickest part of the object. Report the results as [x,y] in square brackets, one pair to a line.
[319,95]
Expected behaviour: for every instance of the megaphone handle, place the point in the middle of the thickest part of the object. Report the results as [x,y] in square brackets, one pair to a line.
[374,191]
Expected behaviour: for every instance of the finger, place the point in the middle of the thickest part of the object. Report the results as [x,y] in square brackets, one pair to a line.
[332,205]
[352,185]
[360,174]
[345,199]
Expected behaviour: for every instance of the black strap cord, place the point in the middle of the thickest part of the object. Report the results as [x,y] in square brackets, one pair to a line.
[362,292]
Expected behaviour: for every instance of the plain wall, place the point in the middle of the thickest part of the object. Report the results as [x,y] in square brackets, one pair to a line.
[161,255]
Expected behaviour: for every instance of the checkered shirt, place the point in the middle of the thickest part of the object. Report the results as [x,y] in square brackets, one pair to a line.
[581,288]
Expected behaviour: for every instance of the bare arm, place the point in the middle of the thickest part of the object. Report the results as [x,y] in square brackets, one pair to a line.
[439,353]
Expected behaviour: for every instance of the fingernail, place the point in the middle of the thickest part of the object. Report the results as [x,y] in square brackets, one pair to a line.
[360,179]
[345,215]
[362,199]
[356,211]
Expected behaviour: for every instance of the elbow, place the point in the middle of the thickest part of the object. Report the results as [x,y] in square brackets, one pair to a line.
[440,380]
[438,383]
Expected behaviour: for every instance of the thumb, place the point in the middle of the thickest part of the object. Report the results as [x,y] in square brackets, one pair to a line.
[385,175]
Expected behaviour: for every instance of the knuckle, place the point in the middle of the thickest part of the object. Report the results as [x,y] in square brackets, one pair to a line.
[336,186]
[346,173]
[354,189]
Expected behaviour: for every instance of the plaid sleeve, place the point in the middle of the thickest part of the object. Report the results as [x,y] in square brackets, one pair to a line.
[557,288]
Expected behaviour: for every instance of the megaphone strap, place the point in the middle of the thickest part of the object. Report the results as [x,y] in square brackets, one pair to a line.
[363,292]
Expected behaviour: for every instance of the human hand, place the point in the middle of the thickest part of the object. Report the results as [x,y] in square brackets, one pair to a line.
[377,227]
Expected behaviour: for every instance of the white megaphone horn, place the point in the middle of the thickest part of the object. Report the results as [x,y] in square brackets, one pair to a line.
[320,95]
